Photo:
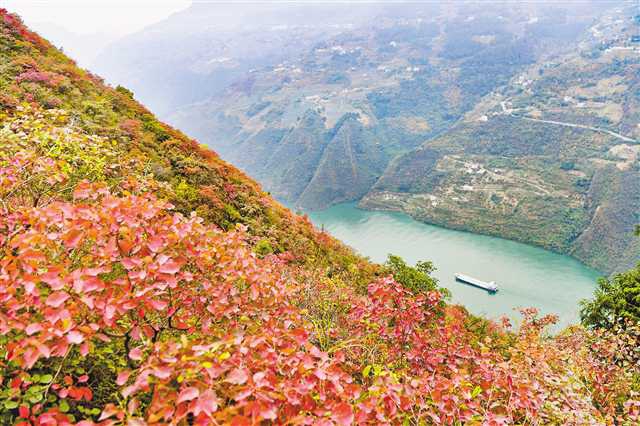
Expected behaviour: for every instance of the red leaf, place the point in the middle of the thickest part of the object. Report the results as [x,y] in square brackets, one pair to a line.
[110,410]
[122,378]
[207,403]
[33,328]
[155,244]
[170,267]
[187,394]
[342,414]
[237,376]
[84,349]
[56,299]
[158,305]
[75,337]
[30,357]
[24,411]
[135,354]
[240,421]
[72,238]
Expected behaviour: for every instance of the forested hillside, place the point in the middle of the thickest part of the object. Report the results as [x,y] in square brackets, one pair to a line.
[145,281]
[392,84]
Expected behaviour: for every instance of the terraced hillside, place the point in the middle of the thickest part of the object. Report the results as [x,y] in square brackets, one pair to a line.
[321,127]
[550,159]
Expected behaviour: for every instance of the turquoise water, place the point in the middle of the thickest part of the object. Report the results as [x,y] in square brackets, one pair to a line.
[527,276]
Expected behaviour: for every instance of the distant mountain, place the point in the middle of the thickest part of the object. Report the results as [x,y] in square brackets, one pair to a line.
[552,158]
[405,80]
[401,106]
[432,115]
[199,52]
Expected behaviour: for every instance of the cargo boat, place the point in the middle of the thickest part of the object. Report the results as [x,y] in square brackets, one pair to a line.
[490,286]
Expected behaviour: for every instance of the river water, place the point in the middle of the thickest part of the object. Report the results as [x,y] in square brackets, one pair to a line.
[527,276]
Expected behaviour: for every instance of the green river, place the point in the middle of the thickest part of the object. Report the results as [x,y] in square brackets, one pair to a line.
[527,276]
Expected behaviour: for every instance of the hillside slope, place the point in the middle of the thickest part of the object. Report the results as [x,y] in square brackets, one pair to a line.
[407,76]
[191,176]
[144,281]
[551,158]
[499,123]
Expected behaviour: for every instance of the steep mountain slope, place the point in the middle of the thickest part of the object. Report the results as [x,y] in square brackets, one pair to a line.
[530,117]
[406,77]
[191,176]
[129,295]
[550,159]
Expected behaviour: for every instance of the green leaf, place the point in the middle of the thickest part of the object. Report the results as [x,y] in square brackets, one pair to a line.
[10,405]
[476,391]
[47,378]
[366,371]
[35,398]
[64,406]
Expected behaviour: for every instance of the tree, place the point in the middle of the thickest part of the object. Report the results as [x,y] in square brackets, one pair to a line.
[616,301]
[417,279]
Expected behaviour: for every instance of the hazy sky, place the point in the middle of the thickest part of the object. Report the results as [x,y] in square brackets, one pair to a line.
[117,17]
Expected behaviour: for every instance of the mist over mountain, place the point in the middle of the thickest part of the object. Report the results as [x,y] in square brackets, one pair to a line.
[472,115]
[199,52]
[83,48]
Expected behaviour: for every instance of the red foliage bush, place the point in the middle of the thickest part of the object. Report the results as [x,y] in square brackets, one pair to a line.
[16,25]
[131,127]
[215,335]
[49,79]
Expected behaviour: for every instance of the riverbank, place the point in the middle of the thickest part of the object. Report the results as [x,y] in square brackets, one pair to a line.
[528,276]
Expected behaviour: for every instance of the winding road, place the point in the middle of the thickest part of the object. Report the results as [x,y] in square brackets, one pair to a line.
[505,110]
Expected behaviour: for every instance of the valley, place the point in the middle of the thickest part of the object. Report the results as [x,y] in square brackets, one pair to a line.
[542,160]
[526,276]
[506,128]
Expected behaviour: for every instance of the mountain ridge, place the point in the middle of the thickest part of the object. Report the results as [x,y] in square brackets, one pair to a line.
[408,81]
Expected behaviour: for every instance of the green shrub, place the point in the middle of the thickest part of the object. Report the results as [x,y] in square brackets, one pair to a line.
[416,279]
[616,301]
[263,248]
